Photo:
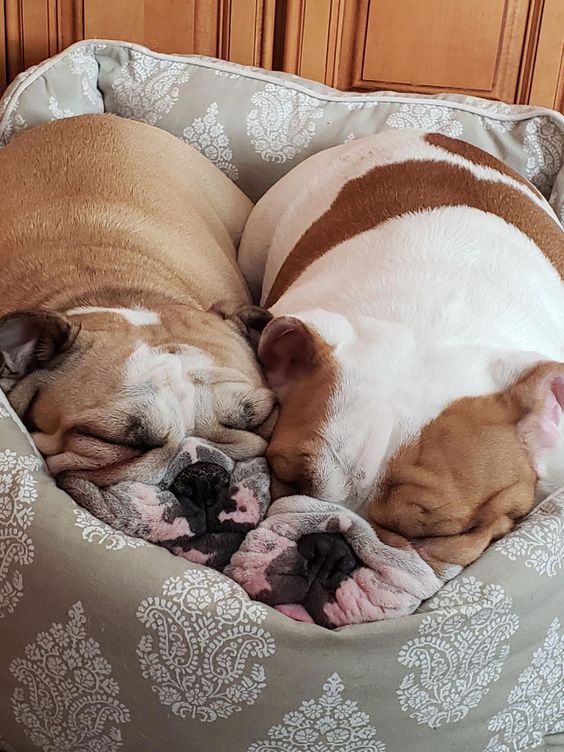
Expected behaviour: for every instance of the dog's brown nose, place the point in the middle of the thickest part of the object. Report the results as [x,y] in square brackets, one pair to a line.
[330,558]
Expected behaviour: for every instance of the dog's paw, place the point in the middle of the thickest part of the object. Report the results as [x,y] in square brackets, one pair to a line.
[242,407]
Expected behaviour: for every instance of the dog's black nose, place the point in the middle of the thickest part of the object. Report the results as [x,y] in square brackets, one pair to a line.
[203,484]
[329,556]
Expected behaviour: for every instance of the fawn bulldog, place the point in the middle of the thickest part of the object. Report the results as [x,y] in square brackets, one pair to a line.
[116,242]
[417,346]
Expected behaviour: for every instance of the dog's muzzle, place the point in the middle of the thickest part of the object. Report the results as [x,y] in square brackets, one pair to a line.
[203,491]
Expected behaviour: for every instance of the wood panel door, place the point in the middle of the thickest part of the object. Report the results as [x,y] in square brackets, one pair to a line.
[31,33]
[547,66]
[503,49]
[470,46]
[237,30]
[2,48]
[473,46]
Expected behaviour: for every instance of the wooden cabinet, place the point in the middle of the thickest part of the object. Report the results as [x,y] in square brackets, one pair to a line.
[546,73]
[437,45]
[237,30]
[501,49]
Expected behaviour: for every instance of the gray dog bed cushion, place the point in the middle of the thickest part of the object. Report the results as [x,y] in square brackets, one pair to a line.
[108,643]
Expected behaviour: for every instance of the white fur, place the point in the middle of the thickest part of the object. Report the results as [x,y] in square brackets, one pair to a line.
[172,385]
[408,352]
[186,394]
[135,316]
[284,213]
[423,309]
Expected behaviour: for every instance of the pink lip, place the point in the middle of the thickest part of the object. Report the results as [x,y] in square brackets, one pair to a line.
[295,611]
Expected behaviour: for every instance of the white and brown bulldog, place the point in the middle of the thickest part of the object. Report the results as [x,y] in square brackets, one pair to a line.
[417,348]
[116,242]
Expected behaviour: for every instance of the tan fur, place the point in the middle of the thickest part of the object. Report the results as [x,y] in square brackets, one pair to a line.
[137,209]
[104,211]
[466,480]
[299,428]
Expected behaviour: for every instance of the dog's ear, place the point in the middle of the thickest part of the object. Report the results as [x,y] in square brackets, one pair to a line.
[249,319]
[539,396]
[29,340]
[286,350]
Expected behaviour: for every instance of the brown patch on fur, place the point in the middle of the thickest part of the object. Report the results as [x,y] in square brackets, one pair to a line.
[466,480]
[477,156]
[298,434]
[388,191]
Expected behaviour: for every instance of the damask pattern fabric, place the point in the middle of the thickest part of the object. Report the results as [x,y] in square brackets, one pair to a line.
[256,125]
[109,645]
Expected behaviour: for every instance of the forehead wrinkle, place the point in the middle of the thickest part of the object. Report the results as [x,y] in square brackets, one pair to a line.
[158,374]
[160,380]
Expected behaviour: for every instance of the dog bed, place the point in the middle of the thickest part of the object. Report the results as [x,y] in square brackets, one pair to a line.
[109,643]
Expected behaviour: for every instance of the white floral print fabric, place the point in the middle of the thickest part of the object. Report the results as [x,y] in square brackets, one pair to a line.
[329,723]
[538,541]
[500,125]
[95,531]
[18,493]
[459,652]
[203,636]
[544,143]
[427,117]
[207,135]
[6,411]
[148,88]
[15,124]
[281,123]
[361,105]
[82,62]
[57,111]
[66,697]
[535,707]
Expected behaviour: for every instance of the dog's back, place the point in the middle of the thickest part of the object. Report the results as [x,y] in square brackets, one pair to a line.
[419,324]
[115,195]
[352,189]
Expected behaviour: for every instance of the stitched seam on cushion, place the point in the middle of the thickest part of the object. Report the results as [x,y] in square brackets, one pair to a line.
[265,77]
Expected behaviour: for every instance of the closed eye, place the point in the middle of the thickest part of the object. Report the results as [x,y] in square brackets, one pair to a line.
[131,442]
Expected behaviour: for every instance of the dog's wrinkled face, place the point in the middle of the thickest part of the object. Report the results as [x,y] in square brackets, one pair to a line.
[317,446]
[472,472]
[459,481]
[110,395]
